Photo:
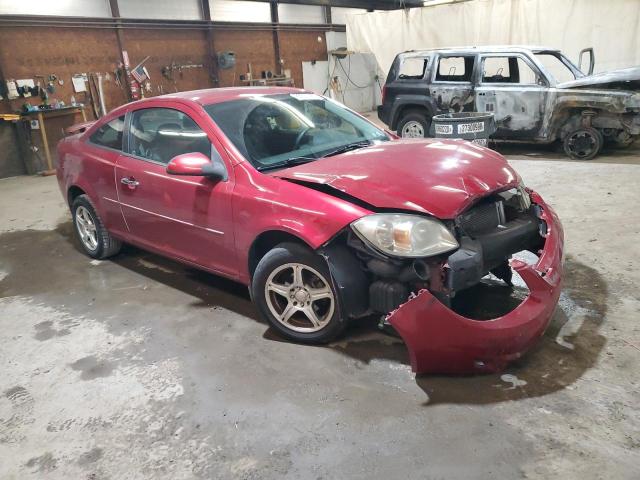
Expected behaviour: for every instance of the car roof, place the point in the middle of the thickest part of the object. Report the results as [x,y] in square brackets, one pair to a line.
[216,95]
[488,48]
[208,96]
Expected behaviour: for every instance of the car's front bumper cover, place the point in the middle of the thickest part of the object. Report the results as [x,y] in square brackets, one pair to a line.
[441,341]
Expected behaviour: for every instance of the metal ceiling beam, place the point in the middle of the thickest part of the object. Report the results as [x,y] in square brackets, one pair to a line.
[211,50]
[275,20]
[364,4]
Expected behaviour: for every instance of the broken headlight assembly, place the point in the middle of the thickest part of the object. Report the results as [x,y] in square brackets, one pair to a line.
[405,235]
[517,197]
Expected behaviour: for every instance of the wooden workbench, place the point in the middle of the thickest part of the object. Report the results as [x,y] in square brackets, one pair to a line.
[42,116]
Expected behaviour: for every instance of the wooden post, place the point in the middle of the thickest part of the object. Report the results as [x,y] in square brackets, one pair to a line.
[45,142]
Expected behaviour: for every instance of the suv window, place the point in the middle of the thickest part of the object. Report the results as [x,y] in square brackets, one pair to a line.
[455,69]
[554,64]
[412,68]
[507,70]
[110,134]
[159,134]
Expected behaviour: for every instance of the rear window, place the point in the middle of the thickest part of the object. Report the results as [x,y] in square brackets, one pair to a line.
[412,68]
[455,69]
[110,134]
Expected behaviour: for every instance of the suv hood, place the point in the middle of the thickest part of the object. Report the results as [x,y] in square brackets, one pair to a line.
[441,178]
[625,79]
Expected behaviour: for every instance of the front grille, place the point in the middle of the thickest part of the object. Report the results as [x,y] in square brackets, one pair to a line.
[482,218]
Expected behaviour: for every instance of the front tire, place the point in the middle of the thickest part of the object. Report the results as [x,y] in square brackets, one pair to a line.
[583,144]
[293,290]
[414,124]
[91,232]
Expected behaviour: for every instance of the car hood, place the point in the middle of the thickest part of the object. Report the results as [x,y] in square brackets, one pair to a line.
[626,78]
[441,178]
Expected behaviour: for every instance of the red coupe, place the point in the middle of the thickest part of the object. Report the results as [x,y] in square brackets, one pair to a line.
[324,215]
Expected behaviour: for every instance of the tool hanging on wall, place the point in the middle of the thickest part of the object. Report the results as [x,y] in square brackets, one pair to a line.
[168,71]
[134,87]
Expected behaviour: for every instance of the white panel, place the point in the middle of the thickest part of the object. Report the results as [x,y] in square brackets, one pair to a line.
[72,8]
[339,14]
[612,28]
[288,13]
[356,74]
[161,9]
[240,11]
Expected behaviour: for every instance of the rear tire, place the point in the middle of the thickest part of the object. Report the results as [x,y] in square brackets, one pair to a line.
[584,143]
[414,124]
[91,232]
[292,288]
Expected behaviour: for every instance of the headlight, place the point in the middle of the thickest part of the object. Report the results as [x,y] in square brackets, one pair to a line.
[404,235]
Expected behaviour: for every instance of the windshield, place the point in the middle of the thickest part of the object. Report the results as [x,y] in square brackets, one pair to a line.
[558,66]
[271,130]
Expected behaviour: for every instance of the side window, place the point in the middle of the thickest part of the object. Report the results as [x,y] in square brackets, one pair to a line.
[110,134]
[159,134]
[454,69]
[412,68]
[507,70]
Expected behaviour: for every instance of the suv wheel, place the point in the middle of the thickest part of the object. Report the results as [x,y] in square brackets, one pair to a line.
[94,237]
[583,144]
[414,125]
[293,290]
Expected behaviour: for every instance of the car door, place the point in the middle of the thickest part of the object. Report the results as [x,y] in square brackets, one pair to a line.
[100,154]
[186,217]
[451,84]
[513,89]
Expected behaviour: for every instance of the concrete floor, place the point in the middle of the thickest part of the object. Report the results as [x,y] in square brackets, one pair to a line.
[138,367]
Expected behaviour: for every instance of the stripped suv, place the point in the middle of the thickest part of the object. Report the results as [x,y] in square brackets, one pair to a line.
[535,93]
[326,217]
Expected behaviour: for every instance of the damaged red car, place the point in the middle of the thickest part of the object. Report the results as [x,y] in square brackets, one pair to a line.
[323,215]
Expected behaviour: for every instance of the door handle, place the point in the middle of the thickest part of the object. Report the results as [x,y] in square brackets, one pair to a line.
[129,182]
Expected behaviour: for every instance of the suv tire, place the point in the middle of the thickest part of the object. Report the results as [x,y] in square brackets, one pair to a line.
[414,124]
[584,143]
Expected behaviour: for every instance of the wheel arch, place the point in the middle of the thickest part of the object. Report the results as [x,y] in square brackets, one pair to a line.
[414,103]
[267,240]
[73,192]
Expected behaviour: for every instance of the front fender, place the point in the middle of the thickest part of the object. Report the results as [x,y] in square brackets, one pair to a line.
[263,203]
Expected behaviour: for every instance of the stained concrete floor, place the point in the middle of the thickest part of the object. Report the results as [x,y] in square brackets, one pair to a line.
[140,368]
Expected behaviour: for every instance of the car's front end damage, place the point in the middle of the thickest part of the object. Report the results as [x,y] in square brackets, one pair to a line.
[440,340]
[417,296]
[415,268]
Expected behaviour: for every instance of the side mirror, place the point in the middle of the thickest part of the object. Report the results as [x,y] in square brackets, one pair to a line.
[196,164]
[592,59]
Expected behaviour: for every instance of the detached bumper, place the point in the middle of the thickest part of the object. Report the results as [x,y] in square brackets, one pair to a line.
[441,341]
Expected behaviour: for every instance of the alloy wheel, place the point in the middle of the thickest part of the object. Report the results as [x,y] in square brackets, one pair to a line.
[299,297]
[86,226]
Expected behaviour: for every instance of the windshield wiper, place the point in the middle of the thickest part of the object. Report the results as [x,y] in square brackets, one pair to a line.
[289,162]
[348,147]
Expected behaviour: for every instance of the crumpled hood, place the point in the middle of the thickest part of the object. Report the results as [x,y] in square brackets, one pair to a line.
[626,78]
[438,177]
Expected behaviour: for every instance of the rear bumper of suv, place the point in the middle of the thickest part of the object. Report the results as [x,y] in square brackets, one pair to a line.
[382,115]
[441,341]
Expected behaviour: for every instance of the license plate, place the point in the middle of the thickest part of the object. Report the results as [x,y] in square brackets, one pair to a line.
[444,129]
[480,141]
[474,127]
